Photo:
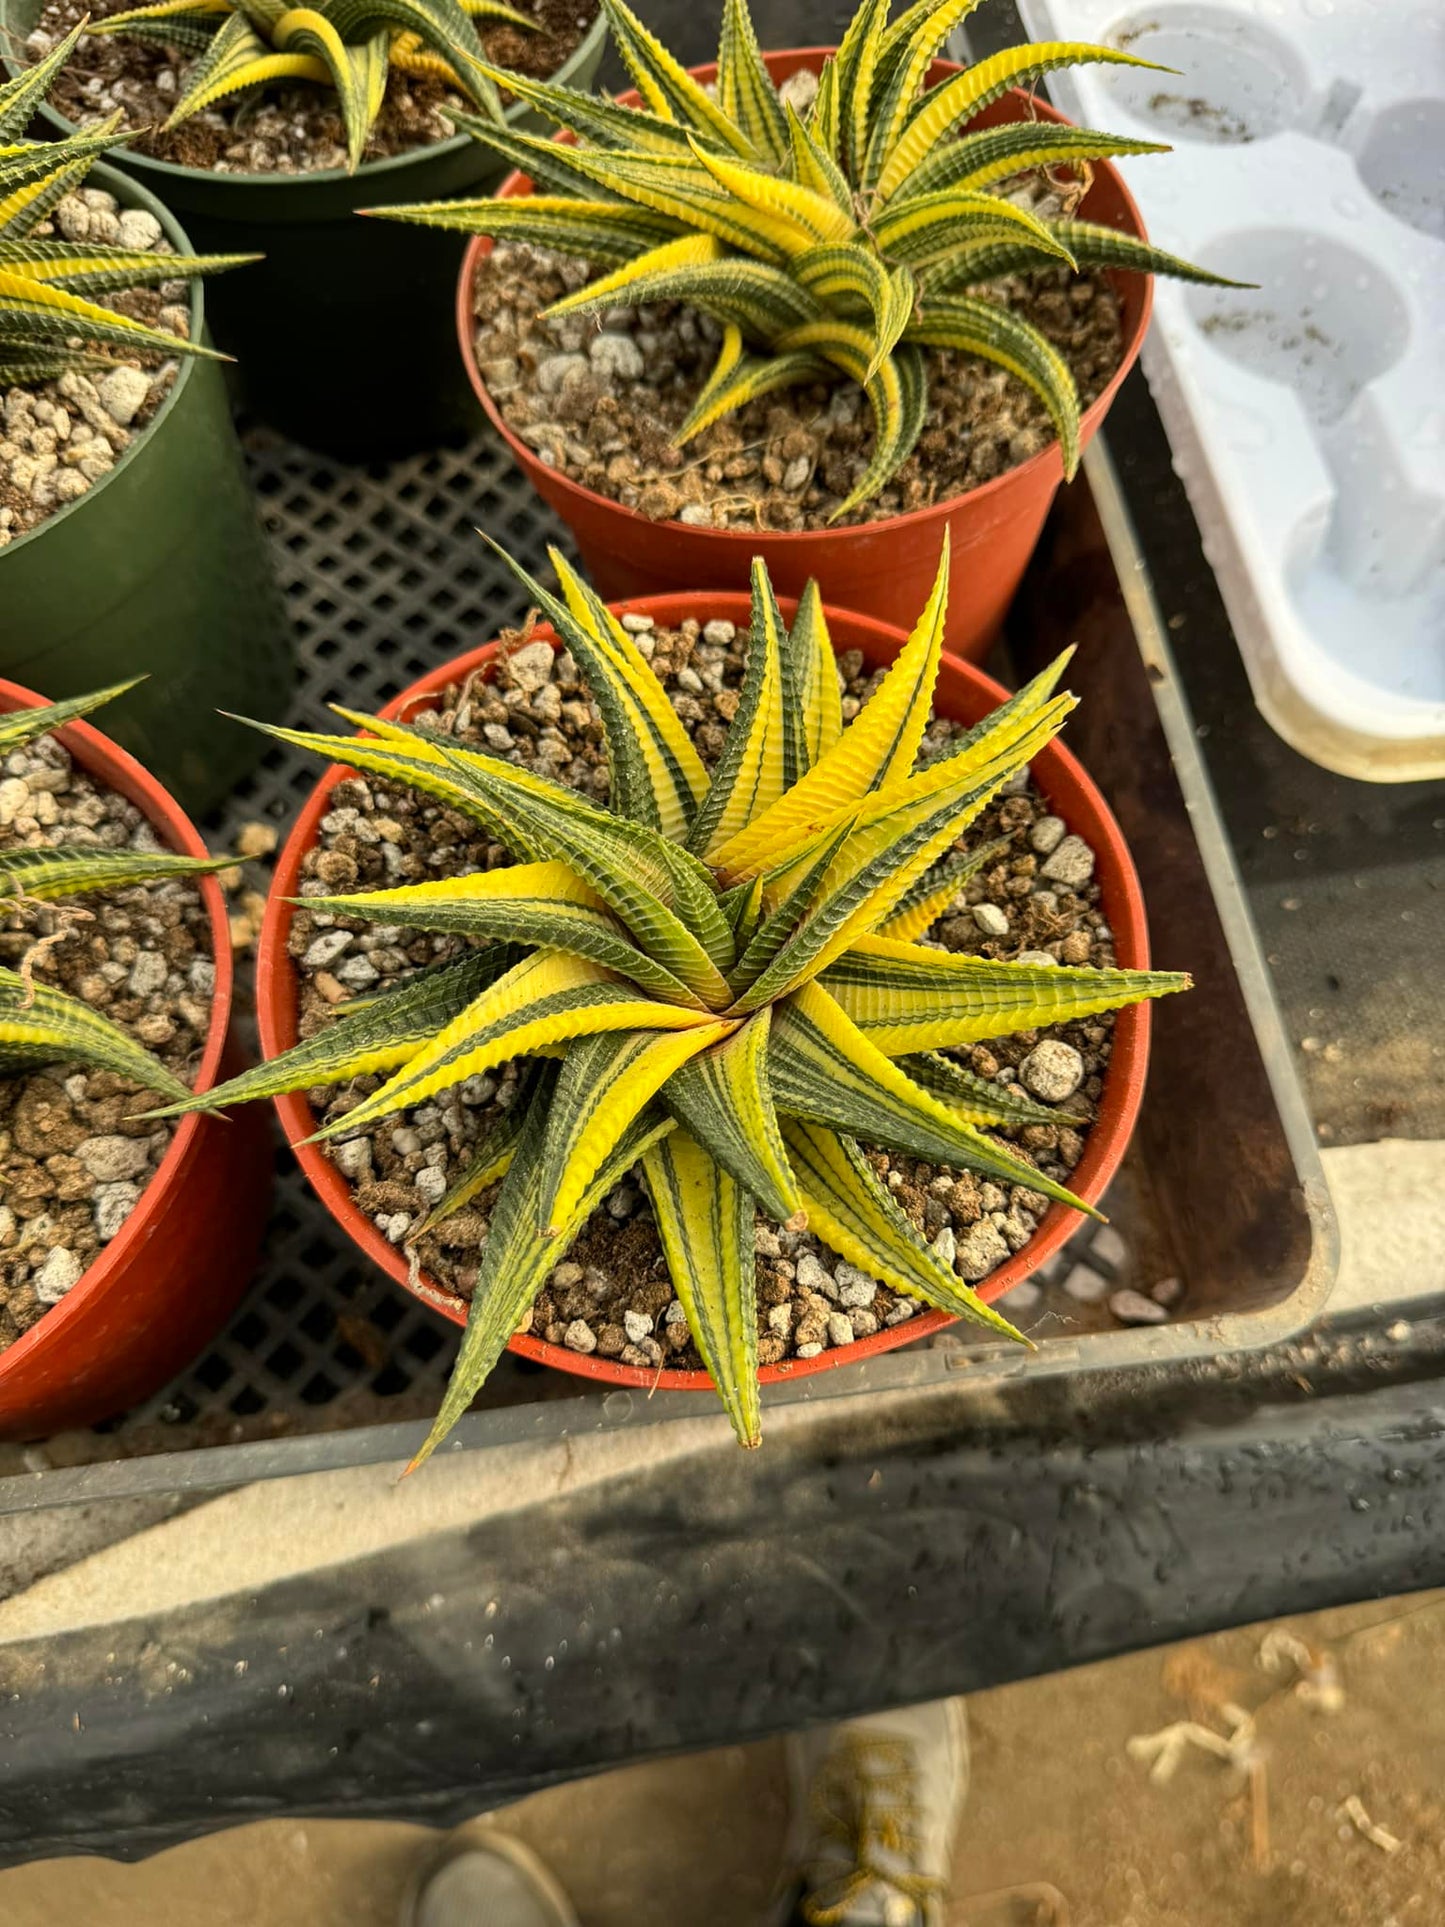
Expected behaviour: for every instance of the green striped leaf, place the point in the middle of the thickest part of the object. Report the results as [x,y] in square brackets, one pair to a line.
[856,65]
[705,1220]
[824,1070]
[753,770]
[597,230]
[42,874]
[548,998]
[22,726]
[744,90]
[981,328]
[813,164]
[928,228]
[517,1259]
[543,905]
[604,1084]
[358,70]
[754,296]
[921,907]
[813,669]
[21,96]
[1094,246]
[723,1097]
[94,270]
[997,153]
[968,93]
[737,379]
[657,775]
[666,85]
[977,1099]
[905,60]
[378,1034]
[859,1218]
[905,998]
[39,1026]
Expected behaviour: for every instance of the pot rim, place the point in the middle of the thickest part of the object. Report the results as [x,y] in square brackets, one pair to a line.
[370,170]
[129,191]
[276,1001]
[518,184]
[117,769]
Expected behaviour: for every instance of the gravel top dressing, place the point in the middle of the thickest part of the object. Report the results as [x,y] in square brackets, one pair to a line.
[73,1159]
[290,129]
[1034,898]
[601,399]
[58,438]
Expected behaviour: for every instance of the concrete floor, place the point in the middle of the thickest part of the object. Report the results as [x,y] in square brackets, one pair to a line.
[1325,1818]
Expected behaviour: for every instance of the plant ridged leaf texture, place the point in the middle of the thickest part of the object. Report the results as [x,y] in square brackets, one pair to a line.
[850,241]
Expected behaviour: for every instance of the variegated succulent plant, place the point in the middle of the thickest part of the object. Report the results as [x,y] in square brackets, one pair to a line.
[350,45]
[48,322]
[717,977]
[40,1025]
[848,240]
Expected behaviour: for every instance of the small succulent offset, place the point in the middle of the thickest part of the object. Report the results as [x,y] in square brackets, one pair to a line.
[846,240]
[40,1025]
[716,977]
[346,44]
[48,323]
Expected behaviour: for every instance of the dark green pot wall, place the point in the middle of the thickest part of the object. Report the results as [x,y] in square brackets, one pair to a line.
[159,570]
[344,336]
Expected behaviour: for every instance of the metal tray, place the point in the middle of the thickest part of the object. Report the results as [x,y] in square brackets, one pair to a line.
[327,1363]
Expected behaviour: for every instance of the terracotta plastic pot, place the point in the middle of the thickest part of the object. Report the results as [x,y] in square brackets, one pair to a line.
[963,693]
[170,1278]
[342,333]
[882,569]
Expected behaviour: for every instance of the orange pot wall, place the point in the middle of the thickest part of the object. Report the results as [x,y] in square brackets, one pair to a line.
[965,694]
[168,1281]
[882,569]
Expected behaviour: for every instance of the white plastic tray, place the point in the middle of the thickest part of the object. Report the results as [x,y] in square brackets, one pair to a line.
[1307,418]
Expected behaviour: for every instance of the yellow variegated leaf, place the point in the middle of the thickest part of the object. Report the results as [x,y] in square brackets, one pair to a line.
[751,773]
[548,998]
[875,751]
[944,106]
[687,251]
[804,218]
[605,1082]
[722,1096]
[905,998]
[858,1217]
[815,671]
[705,1220]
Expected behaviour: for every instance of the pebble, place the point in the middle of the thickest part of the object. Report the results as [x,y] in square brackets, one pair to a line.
[1168,1291]
[840,1328]
[14,799]
[855,1288]
[990,920]
[357,973]
[637,1325]
[719,633]
[1040,959]
[807,1351]
[113,1205]
[1052,1071]
[553,373]
[1071,864]
[637,624]
[813,1276]
[780,1320]
[675,1315]
[1108,1245]
[531,666]
[138,228]
[579,1336]
[901,1312]
[353,1159]
[616,357]
[122,392]
[795,475]
[1133,1308]
[431,1184]
[980,1250]
[61,1270]
[326,948]
[945,1246]
[1086,1286]
[149,973]
[1047,834]
[111,1160]
[697,515]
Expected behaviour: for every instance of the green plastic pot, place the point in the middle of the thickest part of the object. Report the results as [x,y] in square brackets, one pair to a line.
[343,335]
[159,570]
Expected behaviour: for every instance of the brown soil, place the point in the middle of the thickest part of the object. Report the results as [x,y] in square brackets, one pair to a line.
[74,1157]
[785,461]
[292,129]
[374,836]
